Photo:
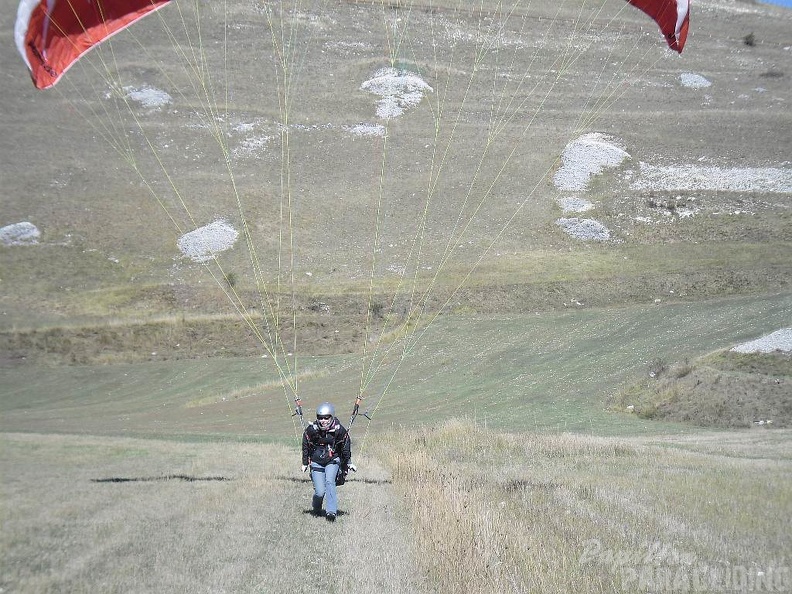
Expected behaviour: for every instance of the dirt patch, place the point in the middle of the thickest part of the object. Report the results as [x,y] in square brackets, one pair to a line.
[729,389]
[173,340]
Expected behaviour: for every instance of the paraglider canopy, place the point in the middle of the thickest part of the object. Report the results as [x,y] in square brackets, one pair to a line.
[672,16]
[51,35]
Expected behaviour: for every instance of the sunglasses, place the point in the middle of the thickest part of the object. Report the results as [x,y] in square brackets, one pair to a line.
[324,417]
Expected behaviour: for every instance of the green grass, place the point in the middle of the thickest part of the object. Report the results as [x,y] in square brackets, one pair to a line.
[68,290]
[554,370]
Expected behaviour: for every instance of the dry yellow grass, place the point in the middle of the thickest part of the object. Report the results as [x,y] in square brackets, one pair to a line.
[568,513]
[90,514]
[452,508]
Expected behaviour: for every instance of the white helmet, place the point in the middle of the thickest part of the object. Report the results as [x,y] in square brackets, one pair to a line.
[325,413]
[325,409]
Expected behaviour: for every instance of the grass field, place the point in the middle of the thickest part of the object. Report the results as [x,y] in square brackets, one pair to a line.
[536,371]
[451,508]
[183,475]
[93,514]
[147,442]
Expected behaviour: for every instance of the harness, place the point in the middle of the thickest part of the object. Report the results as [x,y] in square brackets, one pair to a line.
[324,443]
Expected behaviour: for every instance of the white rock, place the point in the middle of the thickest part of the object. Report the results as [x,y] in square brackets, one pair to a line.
[399,90]
[148,96]
[780,340]
[584,229]
[694,81]
[202,244]
[586,157]
[20,234]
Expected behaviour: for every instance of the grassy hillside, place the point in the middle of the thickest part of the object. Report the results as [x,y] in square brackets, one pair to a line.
[353,244]
[389,168]
[452,199]
[547,370]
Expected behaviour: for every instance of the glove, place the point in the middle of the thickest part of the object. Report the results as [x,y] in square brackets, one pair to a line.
[305,467]
[352,467]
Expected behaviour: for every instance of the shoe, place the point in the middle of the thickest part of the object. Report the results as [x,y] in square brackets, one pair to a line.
[331,517]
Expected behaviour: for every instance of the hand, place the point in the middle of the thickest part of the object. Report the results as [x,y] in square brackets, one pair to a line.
[305,467]
[352,467]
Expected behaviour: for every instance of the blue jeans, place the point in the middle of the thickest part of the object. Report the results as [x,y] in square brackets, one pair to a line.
[324,482]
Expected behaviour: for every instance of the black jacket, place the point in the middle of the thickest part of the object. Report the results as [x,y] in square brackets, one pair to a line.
[322,446]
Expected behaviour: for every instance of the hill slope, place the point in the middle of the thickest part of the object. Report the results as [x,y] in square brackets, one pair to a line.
[452,198]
